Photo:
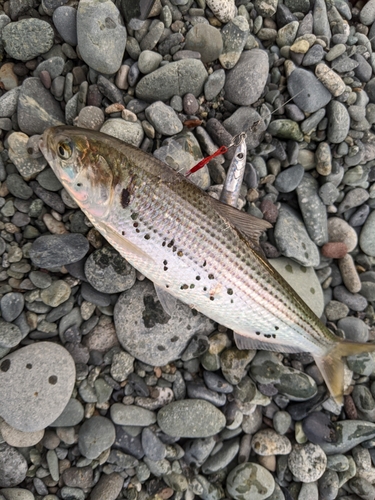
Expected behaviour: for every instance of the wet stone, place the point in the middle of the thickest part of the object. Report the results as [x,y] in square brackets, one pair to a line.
[108,272]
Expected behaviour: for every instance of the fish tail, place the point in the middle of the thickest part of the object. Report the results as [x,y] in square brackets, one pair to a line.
[331,365]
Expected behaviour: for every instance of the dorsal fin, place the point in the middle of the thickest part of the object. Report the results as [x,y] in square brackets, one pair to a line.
[250,226]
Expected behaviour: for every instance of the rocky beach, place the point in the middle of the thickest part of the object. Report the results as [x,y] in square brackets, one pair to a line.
[105,396]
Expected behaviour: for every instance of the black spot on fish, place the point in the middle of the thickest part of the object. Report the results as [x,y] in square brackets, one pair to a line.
[230,291]
[204,263]
[197,278]
[257,333]
[205,289]
[274,335]
[170,244]
[135,224]
[184,287]
[267,335]
[174,248]
[134,216]
[212,298]
[163,244]
[211,277]
[125,198]
[123,233]
[180,253]
[165,262]
[165,268]
[146,236]
[166,286]
[160,348]
[192,286]
[276,328]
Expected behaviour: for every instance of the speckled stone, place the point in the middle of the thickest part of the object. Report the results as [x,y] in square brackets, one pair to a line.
[307,462]
[250,481]
[96,435]
[27,38]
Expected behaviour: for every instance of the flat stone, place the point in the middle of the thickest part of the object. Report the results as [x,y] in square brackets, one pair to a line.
[65,21]
[350,434]
[108,272]
[245,82]
[234,35]
[13,466]
[78,477]
[130,132]
[288,180]
[100,32]
[175,78]
[8,102]
[190,418]
[37,108]
[309,101]
[26,39]
[18,154]
[292,239]
[246,119]
[163,118]
[71,415]
[307,462]
[45,375]
[367,236]
[313,210]
[156,338]
[108,487]
[96,435]
[20,439]
[72,248]
[338,122]
[250,481]
[132,415]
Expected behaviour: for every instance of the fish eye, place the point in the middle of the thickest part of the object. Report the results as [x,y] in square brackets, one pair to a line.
[64,150]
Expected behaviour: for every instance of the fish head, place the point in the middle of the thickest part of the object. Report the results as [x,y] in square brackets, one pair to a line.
[81,166]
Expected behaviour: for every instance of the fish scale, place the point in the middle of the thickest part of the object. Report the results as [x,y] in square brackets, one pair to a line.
[193,247]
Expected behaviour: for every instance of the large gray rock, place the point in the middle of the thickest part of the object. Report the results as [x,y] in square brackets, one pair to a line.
[156,338]
[101,35]
[176,78]
[246,119]
[307,92]
[245,82]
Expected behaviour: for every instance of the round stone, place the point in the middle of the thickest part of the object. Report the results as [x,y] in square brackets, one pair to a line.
[56,294]
[108,272]
[250,481]
[130,132]
[190,418]
[65,21]
[339,230]
[367,236]
[28,38]
[268,442]
[20,439]
[163,118]
[245,82]
[10,335]
[314,95]
[11,305]
[206,40]
[96,435]
[36,383]
[71,415]
[307,462]
[13,466]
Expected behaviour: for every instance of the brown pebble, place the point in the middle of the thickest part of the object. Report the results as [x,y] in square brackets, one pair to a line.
[269,210]
[114,108]
[45,78]
[350,409]
[334,250]
[78,477]
[349,274]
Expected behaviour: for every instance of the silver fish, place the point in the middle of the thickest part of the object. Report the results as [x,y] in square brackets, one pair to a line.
[199,250]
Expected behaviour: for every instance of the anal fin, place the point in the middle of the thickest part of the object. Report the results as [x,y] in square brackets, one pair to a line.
[244,342]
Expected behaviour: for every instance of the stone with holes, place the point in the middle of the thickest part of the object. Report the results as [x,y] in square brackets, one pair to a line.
[36,383]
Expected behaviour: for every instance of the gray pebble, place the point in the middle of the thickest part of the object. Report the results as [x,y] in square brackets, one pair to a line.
[364,402]
[13,466]
[214,84]
[314,55]
[338,122]
[250,481]
[132,415]
[206,40]
[11,305]
[316,98]
[354,301]
[130,132]
[354,328]
[367,236]
[65,21]
[307,462]
[53,65]
[289,179]
[192,418]
[329,485]
[163,118]
[234,35]
[8,102]
[154,448]
[95,435]
[108,487]
[101,32]
[72,414]
[222,458]
[350,433]
[153,36]
[72,247]
[149,61]
[27,39]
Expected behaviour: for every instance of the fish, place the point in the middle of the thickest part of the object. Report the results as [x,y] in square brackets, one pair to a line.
[193,247]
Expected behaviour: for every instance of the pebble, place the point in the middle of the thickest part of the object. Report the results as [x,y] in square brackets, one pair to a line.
[234,35]
[340,231]
[307,462]
[78,477]
[130,132]
[292,239]
[37,108]
[65,21]
[163,118]
[13,466]
[100,32]
[330,79]
[206,40]
[26,165]
[289,179]
[222,458]
[71,415]
[11,305]
[20,439]
[72,248]
[45,367]
[245,83]
[190,418]
[164,341]
[350,433]
[149,61]
[95,435]
[338,122]
[108,272]
[28,38]
[108,487]
[268,442]
[317,97]
[8,102]
[354,329]
[214,84]
[354,301]
[176,78]
[366,238]
[250,481]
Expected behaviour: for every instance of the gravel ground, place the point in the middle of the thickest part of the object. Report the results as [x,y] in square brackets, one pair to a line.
[103,395]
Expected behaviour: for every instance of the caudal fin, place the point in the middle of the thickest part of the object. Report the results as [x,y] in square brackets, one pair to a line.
[331,366]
